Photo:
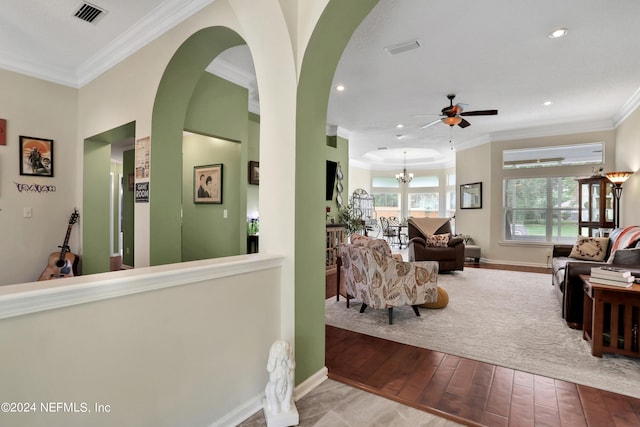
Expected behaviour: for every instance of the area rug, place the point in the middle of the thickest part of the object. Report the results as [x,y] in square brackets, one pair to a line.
[506,318]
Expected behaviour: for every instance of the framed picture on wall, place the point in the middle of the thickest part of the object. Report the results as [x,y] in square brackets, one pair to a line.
[36,156]
[471,196]
[254,173]
[207,184]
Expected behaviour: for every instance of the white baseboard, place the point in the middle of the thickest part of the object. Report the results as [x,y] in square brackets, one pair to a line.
[310,383]
[254,404]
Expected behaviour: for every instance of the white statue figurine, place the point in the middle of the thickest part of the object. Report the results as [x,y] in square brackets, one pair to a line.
[278,406]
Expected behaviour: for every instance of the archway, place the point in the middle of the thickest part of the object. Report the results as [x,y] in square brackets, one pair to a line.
[171,103]
[330,36]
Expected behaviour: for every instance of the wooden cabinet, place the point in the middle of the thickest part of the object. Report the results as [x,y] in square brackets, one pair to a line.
[597,206]
[335,237]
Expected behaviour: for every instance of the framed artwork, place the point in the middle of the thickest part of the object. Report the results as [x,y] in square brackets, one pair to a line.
[254,173]
[471,196]
[36,156]
[207,184]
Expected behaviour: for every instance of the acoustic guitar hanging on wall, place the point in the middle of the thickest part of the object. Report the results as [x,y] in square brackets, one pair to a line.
[62,263]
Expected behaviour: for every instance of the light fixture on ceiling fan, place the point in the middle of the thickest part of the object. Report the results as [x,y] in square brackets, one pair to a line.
[452,115]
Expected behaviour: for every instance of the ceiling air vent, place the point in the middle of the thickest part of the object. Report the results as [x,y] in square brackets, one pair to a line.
[402,47]
[89,13]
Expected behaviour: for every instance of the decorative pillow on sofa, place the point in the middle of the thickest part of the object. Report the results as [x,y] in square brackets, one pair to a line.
[438,240]
[626,257]
[590,248]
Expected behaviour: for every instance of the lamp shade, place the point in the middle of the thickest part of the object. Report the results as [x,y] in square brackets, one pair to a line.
[618,178]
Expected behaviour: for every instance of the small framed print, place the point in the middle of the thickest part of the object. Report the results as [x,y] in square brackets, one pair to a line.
[36,156]
[254,173]
[207,184]
[471,196]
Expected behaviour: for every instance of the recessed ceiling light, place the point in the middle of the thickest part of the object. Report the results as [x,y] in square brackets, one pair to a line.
[547,103]
[340,88]
[560,32]
[399,125]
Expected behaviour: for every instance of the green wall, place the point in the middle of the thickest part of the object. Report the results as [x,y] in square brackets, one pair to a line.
[217,108]
[332,33]
[177,86]
[96,250]
[205,231]
[96,205]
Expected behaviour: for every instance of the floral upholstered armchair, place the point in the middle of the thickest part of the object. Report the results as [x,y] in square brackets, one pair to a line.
[380,280]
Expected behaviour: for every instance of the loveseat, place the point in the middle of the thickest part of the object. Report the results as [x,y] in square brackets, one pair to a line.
[620,249]
[430,239]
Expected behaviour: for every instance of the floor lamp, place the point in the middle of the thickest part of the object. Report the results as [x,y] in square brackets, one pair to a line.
[617,179]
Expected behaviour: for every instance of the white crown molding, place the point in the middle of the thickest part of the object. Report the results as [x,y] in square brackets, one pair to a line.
[230,72]
[628,108]
[65,76]
[166,16]
[560,129]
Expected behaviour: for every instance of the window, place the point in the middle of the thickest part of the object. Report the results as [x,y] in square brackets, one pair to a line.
[424,204]
[541,209]
[561,155]
[387,204]
[424,181]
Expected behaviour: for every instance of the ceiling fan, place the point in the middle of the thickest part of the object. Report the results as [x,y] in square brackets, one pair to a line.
[453,114]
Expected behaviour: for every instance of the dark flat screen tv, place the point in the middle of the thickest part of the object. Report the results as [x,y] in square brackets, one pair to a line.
[331,179]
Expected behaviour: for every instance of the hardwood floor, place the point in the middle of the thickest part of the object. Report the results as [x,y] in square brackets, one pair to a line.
[467,391]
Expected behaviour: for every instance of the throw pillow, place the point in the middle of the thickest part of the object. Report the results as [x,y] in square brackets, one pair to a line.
[590,248]
[441,302]
[626,257]
[438,240]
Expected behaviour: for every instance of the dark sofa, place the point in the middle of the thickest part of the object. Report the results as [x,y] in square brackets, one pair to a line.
[449,259]
[566,271]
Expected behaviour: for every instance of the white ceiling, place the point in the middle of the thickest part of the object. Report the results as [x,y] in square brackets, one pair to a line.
[493,54]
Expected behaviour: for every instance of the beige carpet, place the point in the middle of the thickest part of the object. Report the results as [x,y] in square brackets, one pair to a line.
[506,318]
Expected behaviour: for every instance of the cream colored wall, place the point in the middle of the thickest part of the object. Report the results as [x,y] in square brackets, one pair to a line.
[38,109]
[184,352]
[628,158]
[358,178]
[484,163]
[474,165]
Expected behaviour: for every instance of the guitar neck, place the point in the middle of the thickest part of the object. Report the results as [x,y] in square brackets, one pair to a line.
[65,245]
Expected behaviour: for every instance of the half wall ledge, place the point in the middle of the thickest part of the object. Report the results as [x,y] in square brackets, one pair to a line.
[34,297]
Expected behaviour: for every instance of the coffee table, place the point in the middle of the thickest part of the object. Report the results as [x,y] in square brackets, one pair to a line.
[611,317]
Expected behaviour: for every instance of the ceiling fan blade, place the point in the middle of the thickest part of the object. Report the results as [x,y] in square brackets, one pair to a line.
[430,124]
[480,113]
[463,124]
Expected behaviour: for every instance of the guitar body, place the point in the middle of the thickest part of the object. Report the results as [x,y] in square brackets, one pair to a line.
[58,268]
[63,263]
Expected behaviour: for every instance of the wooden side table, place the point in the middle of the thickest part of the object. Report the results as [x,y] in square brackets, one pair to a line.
[611,317]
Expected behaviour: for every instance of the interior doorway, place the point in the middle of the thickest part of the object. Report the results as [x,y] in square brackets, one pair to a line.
[108,211]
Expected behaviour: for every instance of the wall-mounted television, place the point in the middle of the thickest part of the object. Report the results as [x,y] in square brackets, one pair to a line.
[332,167]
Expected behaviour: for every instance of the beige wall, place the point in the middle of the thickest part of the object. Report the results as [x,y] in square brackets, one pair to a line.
[38,109]
[628,158]
[484,163]
[185,351]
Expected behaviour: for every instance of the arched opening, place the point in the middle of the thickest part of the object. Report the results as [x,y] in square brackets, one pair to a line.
[332,33]
[182,78]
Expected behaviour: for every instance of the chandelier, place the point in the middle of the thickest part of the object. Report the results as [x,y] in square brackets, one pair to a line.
[404,177]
